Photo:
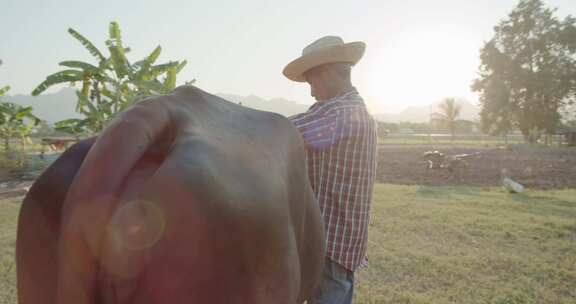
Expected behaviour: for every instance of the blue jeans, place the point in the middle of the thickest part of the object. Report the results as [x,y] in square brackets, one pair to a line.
[337,285]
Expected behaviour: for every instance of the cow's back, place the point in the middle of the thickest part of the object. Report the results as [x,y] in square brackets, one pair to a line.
[218,209]
[225,213]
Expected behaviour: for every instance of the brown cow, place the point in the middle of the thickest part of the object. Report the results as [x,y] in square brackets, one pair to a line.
[184,198]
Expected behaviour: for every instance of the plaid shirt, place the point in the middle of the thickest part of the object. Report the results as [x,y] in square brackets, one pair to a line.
[341,138]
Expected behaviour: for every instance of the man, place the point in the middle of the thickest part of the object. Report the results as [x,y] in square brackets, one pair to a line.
[340,138]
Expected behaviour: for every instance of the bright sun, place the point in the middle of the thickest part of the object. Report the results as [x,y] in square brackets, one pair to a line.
[419,68]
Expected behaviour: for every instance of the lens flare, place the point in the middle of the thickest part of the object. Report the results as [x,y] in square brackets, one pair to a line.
[138,225]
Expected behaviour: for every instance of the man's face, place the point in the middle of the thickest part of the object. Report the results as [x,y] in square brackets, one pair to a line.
[317,79]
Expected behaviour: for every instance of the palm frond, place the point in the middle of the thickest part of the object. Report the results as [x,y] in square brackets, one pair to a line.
[153,56]
[4,90]
[67,122]
[78,64]
[105,92]
[180,66]
[143,66]
[100,76]
[170,82]
[72,126]
[138,64]
[24,112]
[87,44]
[82,97]
[119,62]
[163,68]
[56,78]
[153,85]
[93,110]
[27,113]
[114,31]
[450,108]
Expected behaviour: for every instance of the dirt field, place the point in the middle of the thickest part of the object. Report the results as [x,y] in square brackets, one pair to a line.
[534,167]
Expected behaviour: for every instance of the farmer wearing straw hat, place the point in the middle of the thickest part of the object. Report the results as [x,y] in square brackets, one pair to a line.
[340,140]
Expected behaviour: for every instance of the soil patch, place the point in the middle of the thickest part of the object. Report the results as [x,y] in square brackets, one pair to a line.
[534,167]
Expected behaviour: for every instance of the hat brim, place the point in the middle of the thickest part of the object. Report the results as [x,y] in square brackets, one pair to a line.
[350,52]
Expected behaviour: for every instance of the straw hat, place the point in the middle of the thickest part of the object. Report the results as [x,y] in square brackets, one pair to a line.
[329,49]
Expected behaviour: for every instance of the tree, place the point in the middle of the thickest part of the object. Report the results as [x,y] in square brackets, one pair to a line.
[13,120]
[448,115]
[16,121]
[528,71]
[113,83]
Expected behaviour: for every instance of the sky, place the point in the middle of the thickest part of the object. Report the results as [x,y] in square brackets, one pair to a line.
[418,51]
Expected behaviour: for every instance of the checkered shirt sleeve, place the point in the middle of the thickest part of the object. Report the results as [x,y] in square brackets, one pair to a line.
[341,140]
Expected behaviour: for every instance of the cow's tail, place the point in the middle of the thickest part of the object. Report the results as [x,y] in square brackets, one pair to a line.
[92,195]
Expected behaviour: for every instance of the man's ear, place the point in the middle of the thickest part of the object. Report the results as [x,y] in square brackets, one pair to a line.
[325,71]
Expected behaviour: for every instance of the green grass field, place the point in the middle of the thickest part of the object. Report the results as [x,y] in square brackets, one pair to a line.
[441,245]
[8,221]
[470,245]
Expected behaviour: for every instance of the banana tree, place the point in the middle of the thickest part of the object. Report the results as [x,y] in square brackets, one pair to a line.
[113,83]
[16,121]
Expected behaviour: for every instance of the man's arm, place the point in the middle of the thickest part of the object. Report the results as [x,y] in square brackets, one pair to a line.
[321,130]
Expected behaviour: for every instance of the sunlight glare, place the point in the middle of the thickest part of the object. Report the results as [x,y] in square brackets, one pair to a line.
[421,67]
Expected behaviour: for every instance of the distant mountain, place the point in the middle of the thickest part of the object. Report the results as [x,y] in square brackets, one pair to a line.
[51,107]
[54,107]
[422,113]
[278,105]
